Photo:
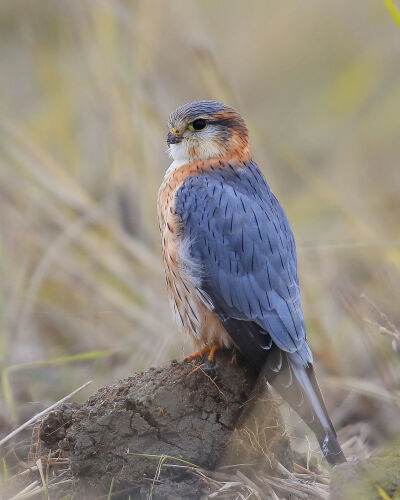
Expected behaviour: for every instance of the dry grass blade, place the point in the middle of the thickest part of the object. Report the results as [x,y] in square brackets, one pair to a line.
[27,489]
[227,486]
[39,415]
[308,474]
[212,380]
[256,489]
[37,491]
[296,487]
[40,468]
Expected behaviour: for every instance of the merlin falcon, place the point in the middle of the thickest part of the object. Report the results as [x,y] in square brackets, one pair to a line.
[230,259]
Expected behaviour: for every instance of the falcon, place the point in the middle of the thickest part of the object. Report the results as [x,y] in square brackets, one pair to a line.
[230,259]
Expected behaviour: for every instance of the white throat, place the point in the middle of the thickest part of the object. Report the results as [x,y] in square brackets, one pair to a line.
[205,149]
[180,154]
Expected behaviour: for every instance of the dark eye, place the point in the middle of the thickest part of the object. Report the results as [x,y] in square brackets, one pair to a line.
[197,125]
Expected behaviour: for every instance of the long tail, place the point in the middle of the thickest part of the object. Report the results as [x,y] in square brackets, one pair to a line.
[293,377]
[298,385]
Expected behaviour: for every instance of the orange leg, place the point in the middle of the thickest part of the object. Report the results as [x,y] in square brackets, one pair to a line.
[198,354]
[211,355]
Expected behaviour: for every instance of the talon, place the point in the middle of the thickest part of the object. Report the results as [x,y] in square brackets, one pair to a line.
[209,367]
[198,354]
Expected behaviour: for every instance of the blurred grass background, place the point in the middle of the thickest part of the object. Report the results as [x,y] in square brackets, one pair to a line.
[85,91]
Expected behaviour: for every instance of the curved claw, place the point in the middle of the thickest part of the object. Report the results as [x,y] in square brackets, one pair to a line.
[209,367]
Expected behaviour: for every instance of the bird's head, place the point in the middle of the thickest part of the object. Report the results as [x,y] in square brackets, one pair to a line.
[206,129]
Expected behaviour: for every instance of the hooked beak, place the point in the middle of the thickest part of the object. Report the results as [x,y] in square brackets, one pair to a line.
[173,138]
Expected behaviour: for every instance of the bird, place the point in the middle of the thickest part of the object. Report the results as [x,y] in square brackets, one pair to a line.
[230,259]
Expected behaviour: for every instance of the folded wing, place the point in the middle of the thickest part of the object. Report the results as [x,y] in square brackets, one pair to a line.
[240,236]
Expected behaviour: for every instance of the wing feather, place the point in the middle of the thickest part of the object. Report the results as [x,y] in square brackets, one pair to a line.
[240,236]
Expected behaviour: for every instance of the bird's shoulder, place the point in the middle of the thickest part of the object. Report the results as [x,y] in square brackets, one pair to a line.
[233,190]
[234,178]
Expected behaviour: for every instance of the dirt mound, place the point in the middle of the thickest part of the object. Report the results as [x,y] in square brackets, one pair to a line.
[160,430]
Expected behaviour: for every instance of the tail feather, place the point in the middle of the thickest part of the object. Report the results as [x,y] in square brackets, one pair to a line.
[292,375]
[298,385]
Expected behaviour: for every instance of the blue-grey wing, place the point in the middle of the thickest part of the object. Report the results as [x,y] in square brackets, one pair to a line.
[239,233]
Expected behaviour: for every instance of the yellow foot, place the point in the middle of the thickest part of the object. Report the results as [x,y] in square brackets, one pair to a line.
[198,354]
